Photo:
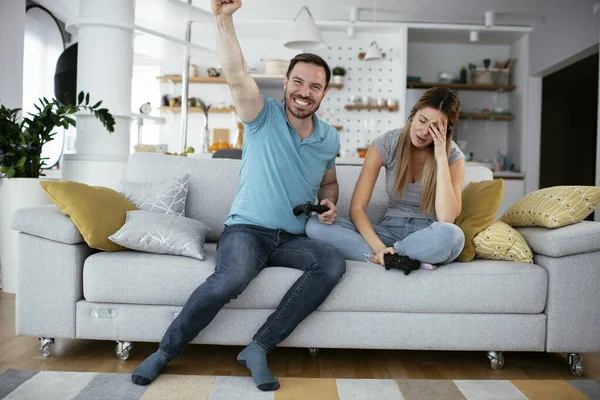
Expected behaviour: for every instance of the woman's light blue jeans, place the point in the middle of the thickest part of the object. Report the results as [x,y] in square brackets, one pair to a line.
[425,240]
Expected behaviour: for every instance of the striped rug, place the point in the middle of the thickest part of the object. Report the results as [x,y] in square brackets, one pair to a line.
[34,385]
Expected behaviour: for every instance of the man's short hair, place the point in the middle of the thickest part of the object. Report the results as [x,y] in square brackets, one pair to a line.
[310,59]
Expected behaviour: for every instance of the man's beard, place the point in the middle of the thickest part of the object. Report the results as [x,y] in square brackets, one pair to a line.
[302,115]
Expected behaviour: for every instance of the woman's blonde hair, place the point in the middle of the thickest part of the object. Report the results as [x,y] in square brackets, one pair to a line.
[446,101]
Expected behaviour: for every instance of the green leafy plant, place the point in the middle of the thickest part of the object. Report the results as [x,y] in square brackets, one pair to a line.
[21,142]
[340,71]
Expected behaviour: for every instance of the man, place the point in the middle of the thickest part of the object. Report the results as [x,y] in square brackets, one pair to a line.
[288,160]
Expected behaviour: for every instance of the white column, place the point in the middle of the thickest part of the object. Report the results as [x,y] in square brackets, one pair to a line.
[12,34]
[104,69]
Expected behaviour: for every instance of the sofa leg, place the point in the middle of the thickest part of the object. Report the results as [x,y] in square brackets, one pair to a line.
[496,360]
[46,345]
[576,364]
[313,352]
[123,349]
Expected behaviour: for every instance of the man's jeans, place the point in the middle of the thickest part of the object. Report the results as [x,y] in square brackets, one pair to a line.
[243,251]
[425,240]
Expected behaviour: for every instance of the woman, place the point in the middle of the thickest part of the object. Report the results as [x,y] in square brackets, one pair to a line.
[424,174]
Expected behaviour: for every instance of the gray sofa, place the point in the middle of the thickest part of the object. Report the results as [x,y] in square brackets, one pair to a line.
[67,290]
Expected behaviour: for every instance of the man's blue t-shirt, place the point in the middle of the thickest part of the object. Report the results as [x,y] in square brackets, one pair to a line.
[279,170]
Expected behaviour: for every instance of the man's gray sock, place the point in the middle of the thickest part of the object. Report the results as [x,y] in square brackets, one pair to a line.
[254,357]
[149,369]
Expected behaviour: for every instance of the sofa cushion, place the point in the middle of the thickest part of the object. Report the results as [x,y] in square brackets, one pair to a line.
[553,207]
[164,197]
[162,234]
[500,241]
[97,211]
[475,287]
[47,222]
[480,202]
[214,183]
[583,237]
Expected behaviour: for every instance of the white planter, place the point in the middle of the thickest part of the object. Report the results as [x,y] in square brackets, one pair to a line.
[15,193]
[337,79]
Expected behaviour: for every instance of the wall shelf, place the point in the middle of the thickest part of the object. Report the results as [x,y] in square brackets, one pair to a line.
[461,86]
[193,79]
[212,110]
[381,108]
[487,117]
[220,80]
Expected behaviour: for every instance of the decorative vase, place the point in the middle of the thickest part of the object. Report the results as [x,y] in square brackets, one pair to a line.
[337,79]
[205,137]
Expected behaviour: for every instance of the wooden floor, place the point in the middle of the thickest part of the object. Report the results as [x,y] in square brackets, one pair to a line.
[99,356]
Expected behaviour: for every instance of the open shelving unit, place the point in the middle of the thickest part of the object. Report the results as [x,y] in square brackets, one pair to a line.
[487,116]
[212,110]
[267,79]
[380,108]
[461,86]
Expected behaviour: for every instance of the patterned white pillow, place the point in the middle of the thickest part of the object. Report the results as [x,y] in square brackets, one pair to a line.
[164,197]
[162,234]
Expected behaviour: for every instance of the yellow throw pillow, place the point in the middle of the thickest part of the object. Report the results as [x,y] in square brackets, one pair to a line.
[500,241]
[553,207]
[480,202]
[98,212]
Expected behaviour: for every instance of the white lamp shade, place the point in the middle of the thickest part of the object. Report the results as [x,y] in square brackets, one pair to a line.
[304,34]
[374,52]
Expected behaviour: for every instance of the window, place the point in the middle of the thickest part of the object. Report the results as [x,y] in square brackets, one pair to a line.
[43,45]
[145,88]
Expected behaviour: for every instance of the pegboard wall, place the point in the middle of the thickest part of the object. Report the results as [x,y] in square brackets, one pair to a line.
[376,79]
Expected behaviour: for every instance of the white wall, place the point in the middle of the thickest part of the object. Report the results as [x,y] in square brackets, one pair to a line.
[12,33]
[534,134]
[568,29]
[517,129]
[484,138]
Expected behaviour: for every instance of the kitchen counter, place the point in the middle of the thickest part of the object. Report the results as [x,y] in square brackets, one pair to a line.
[499,174]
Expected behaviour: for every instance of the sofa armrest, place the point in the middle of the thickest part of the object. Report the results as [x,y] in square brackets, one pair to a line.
[571,257]
[572,311]
[583,237]
[47,222]
[49,285]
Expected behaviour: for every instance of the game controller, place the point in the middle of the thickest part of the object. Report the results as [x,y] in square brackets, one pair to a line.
[308,208]
[401,262]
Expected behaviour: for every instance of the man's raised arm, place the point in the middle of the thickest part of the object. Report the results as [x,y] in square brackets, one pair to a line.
[246,96]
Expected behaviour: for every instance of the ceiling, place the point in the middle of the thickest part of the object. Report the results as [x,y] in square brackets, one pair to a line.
[462,37]
[455,11]
[259,18]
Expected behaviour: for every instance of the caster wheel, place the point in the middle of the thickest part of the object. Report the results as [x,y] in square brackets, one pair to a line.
[576,363]
[122,350]
[313,352]
[46,347]
[496,360]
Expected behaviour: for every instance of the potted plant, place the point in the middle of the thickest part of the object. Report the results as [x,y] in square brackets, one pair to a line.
[21,142]
[338,75]
[21,164]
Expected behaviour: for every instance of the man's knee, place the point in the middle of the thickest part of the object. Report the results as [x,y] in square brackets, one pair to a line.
[332,263]
[226,287]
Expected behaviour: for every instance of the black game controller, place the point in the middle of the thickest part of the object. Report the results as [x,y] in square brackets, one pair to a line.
[400,262]
[308,208]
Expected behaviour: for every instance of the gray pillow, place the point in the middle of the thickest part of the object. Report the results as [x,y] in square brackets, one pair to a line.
[162,234]
[164,197]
